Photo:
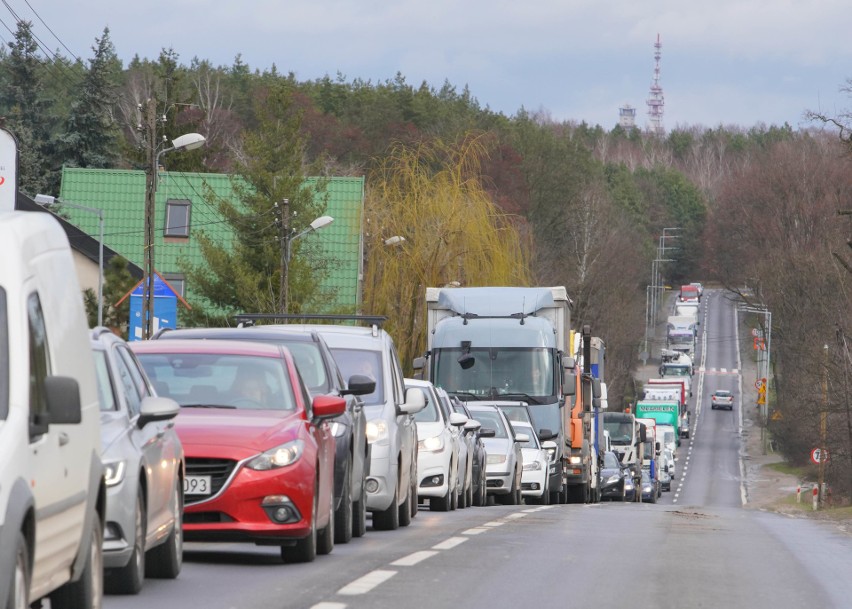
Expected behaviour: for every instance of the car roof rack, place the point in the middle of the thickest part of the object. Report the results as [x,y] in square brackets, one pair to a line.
[247,319]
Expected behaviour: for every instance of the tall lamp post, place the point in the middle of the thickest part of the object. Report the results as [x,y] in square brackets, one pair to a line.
[189,141]
[287,238]
[764,408]
[48,201]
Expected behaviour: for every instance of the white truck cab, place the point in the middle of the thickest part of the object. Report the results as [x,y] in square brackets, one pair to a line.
[52,491]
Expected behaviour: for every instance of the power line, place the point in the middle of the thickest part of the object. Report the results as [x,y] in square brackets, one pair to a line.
[51,31]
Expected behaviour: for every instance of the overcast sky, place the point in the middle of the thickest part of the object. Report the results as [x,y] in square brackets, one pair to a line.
[728,62]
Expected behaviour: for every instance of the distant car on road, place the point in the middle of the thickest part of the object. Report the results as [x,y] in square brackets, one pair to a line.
[722,398]
[648,488]
[613,478]
[505,461]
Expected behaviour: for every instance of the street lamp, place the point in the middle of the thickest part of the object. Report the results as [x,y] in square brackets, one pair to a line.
[188,141]
[48,201]
[288,237]
[767,314]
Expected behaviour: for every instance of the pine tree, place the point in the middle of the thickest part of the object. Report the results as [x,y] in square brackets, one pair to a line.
[91,137]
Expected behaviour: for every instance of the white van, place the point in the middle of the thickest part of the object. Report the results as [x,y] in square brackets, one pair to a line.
[52,491]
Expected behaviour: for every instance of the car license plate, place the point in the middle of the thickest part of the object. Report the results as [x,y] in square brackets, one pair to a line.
[197,485]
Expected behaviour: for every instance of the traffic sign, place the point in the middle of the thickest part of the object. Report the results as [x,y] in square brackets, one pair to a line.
[820,454]
[758,384]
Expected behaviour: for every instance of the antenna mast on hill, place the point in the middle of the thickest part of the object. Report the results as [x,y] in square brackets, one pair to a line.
[655,96]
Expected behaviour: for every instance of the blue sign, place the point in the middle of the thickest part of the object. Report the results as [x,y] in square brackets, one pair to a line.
[165,308]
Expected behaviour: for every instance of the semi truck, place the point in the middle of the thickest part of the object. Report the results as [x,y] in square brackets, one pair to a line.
[582,419]
[680,388]
[664,413]
[506,343]
[681,332]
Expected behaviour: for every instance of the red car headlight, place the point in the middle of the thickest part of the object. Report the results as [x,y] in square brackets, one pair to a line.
[280,456]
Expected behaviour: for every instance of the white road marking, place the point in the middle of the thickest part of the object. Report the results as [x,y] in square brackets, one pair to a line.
[450,543]
[516,515]
[364,584]
[474,531]
[413,558]
[326,605]
[494,523]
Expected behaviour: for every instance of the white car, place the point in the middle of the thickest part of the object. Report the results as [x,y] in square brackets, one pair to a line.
[536,465]
[668,459]
[504,465]
[467,442]
[438,440]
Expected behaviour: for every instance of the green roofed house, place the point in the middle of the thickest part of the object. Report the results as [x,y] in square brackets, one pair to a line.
[181,211]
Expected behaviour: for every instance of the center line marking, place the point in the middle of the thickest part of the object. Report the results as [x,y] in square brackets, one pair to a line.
[362,585]
[450,543]
[494,523]
[474,531]
[516,515]
[326,605]
[413,558]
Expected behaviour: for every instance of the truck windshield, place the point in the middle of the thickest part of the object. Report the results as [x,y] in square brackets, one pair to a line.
[620,431]
[497,371]
[675,370]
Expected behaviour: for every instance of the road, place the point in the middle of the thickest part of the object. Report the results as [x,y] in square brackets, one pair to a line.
[697,548]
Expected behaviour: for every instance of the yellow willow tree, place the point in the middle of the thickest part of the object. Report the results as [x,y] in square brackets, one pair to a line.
[431,223]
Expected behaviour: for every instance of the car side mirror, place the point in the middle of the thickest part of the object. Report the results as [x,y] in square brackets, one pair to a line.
[156,409]
[457,419]
[415,401]
[521,438]
[486,432]
[472,425]
[327,406]
[546,434]
[359,384]
[549,445]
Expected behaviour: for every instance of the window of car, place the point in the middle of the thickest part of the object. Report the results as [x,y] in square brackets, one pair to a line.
[610,461]
[134,368]
[221,379]
[106,394]
[397,376]
[39,360]
[430,413]
[533,438]
[491,420]
[128,387]
[365,362]
[310,364]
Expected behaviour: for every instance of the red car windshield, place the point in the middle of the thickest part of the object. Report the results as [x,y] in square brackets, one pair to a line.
[214,380]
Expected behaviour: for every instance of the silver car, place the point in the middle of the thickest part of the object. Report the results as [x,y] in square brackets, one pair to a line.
[144,462]
[390,409]
[505,461]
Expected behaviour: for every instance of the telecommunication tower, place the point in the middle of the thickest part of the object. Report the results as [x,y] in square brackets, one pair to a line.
[655,97]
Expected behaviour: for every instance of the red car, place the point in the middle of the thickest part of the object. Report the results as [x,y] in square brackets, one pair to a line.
[259,452]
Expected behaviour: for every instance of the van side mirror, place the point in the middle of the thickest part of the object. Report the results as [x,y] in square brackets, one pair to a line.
[62,394]
[568,382]
[419,363]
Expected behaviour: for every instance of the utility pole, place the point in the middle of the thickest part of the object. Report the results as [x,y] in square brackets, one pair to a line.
[284,239]
[823,428]
[150,128]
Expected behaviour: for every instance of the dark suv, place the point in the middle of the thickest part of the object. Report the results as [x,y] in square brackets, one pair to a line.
[322,377]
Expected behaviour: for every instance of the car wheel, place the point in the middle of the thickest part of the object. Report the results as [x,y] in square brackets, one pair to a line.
[128,579]
[405,509]
[88,591]
[325,538]
[19,592]
[470,492]
[359,516]
[454,495]
[305,549]
[388,520]
[343,515]
[165,561]
[440,504]
[413,491]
